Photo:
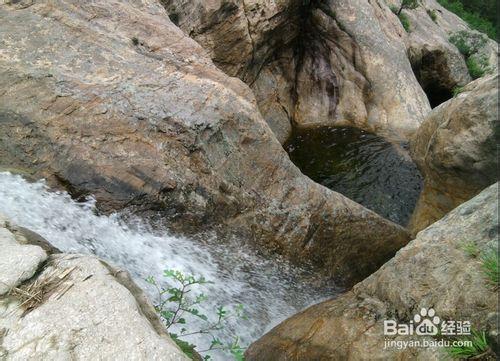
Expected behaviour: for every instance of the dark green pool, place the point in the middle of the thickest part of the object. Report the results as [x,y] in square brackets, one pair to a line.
[361,166]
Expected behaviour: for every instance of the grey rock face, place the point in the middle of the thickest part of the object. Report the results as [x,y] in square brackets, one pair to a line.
[89,311]
[18,262]
[455,149]
[134,113]
[434,270]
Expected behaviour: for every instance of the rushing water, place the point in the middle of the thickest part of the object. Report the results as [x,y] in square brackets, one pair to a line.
[362,166]
[269,289]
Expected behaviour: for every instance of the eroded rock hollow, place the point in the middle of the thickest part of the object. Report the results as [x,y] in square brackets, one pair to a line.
[313,62]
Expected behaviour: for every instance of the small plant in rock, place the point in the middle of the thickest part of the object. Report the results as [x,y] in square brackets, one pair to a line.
[469,45]
[488,258]
[175,305]
[475,67]
[474,346]
[470,248]
[135,41]
[457,90]
[407,4]
[432,14]
[405,21]
[489,263]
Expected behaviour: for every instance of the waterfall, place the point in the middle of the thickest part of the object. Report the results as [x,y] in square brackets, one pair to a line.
[270,289]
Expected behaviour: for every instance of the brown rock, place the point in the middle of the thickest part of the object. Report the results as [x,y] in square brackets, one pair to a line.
[455,149]
[109,98]
[434,270]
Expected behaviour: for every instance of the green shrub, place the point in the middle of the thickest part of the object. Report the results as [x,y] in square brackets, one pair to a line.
[474,20]
[476,70]
[394,9]
[432,14]
[478,346]
[405,22]
[175,306]
[484,8]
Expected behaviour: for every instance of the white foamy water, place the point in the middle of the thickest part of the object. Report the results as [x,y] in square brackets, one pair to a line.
[269,289]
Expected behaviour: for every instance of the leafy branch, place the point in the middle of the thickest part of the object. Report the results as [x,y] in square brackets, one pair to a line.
[174,305]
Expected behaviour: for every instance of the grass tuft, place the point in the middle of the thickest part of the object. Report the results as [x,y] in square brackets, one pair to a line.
[489,263]
[474,345]
[432,14]
[405,21]
[470,248]
[476,68]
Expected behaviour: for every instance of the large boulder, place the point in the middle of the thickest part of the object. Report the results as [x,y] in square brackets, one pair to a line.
[240,35]
[437,62]
[441,269]
[312,63]
[75,307]
[110,98]
[342,62]
[456,150]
